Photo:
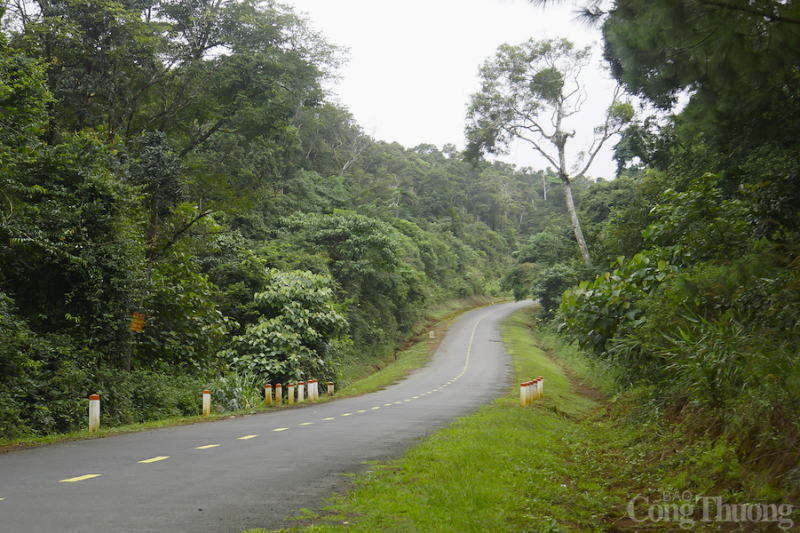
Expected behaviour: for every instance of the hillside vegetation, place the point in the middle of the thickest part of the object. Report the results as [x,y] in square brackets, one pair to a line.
[184,163]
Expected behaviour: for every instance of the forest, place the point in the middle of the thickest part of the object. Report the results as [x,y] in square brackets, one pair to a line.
[183,161]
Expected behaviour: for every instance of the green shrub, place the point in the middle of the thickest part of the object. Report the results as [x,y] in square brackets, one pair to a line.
[593,312]
[550,283]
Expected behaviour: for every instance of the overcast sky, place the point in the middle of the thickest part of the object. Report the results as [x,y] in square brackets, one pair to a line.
[413,64]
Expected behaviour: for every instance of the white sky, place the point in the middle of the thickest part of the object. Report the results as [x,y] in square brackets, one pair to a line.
[413,65]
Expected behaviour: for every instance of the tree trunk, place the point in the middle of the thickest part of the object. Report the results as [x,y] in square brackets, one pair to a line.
[576,226]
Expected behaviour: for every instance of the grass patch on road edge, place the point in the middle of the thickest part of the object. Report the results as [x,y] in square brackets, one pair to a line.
[548,467]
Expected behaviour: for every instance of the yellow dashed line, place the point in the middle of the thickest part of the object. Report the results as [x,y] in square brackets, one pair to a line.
[80,478]
[305,424]
[154,459]
[280,429]
[406,400]
[329,418]
[207,446]
[347,414]
[247,437]
[387,404]
[375,408]
[362,411]
[397,402]
[415,397]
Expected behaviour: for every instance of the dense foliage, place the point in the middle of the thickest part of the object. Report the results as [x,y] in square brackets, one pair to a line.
[697,242]
[182,161]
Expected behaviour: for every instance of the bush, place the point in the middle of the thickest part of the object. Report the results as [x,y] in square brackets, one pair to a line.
[550,283]
[593,312]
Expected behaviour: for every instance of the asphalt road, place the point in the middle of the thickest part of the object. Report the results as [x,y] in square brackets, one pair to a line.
[251,471]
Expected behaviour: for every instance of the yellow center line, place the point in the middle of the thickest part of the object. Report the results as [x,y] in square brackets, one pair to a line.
[415,397]
[207,446]
[329,418]
[247,437]
[387,404]
[280,429]
[397,402]
[375,408]
[406,400]
[347,414]
[154,459]
[305,424]
[362,411]
[79,478]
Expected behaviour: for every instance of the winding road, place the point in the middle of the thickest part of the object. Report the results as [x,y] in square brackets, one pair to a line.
[251,471]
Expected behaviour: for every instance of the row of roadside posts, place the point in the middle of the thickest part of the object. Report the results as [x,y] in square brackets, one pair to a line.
[312,396]
[530,391]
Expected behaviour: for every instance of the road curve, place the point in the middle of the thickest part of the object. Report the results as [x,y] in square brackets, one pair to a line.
[251,471]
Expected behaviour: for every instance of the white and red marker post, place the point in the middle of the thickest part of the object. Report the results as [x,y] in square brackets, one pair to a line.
[206,402]
[94,412]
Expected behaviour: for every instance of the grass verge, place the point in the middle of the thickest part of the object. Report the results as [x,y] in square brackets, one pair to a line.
[506,468]
[571,462]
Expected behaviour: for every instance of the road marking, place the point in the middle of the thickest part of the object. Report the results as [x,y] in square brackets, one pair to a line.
[375,408]
[387,404]
[79,478]
[415,397]
[1,499]
[154,459]
[362,411]
[406,400]
[397,402]
[280,429]
[247,437]
[347,414]
[207,446]
[329,418]
[305,424]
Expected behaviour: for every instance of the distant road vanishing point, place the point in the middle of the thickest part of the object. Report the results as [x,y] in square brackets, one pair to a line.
[251,471]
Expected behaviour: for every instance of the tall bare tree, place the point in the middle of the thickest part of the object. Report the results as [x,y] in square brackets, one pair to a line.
[528,93]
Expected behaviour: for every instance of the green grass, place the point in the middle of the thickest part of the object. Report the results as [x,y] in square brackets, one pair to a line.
[547,467]
[571,462]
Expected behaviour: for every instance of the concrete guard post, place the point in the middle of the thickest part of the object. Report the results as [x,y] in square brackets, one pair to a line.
[523,398]
[268,394]
[314,390]
[301,391]
[206,402]
[330,388]
[278,394]
[541,386]
[94,412]
[290,394]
